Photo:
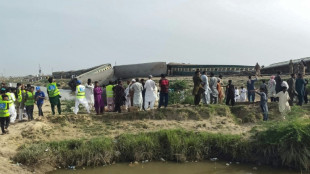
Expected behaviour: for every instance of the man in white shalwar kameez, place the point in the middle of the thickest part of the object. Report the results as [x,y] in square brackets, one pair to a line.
[89,93]
[206,94]
[80,98]
[237,95]
[150,96]
[137,88]
[243,93]
[12,109]
[284,106]
[127,94]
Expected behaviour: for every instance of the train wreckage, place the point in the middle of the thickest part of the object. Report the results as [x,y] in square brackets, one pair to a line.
[105,73]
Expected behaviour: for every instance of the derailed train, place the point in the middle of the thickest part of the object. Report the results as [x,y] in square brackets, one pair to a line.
[104,73]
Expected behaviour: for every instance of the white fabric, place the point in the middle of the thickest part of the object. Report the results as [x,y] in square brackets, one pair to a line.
[89,94]
[137,88]
[206,94]
[283,101]
[150,96]
[271,88]
[284,84]
[243,93]
[12,109]
[79,101]
[82,101]
[127,94]
[237,95]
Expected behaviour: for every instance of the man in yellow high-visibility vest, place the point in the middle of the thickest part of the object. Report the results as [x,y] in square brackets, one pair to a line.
[110,96]
[80,98]
[4,113]
[54,95]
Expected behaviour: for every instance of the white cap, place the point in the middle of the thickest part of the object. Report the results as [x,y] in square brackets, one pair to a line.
[284,84]
[133,80]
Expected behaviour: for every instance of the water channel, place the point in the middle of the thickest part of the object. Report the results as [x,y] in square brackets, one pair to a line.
[206,167]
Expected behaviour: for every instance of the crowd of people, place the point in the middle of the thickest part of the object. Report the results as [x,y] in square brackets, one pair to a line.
[277,90]
[18,102]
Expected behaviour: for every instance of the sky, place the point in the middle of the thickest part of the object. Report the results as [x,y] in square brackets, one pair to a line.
[62,35]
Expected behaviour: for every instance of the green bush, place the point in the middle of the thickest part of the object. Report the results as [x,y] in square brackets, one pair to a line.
[179,85]
[286,144]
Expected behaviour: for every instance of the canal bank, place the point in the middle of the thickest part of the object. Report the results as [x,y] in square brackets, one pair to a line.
[179,133]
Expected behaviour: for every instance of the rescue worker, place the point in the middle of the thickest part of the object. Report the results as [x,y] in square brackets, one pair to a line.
[30,100]
[54,95]
[80,98]
[4,113]
[110,96]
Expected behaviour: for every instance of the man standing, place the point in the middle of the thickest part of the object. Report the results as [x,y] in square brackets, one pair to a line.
[30,100]
[80,98]
[89,93]
[110,96]
[143,92]
[278,84]
[291,90]
[149,93]
[137,88]
[251,88]
[197,87]
[205,83]
[213,87]
[164,89]
[4,113]
[39,96]
[54,95]
[300,88]
[127,94]
[230,88]
[264,87]
[120,99]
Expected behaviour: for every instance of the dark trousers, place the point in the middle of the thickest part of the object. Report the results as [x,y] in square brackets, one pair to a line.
[251,96]
[300,99]
[29,111]
[292,95]
[58,108]
[117,108]
[306,97]
[163,99]
[5,122]
[40,109]
[197,99]
[265,111]
[213,100]
[230,99]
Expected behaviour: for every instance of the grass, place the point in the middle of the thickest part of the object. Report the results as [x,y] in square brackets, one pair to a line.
[286,144]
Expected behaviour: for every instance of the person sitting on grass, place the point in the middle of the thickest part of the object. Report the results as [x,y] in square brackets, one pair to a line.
[4,114]
[284,106]
[263,102]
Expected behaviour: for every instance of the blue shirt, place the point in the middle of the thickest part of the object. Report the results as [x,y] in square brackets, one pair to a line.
[251,84]
[263,98]
[40,100]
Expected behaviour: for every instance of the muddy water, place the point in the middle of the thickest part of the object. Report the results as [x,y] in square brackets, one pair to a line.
[175,168]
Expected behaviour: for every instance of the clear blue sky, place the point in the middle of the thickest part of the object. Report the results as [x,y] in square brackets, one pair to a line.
[75,34]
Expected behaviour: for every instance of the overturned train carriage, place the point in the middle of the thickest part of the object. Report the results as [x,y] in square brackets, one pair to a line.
[284,67]
[178,69]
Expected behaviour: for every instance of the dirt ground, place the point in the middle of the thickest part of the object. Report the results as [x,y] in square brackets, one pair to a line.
[69,126]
